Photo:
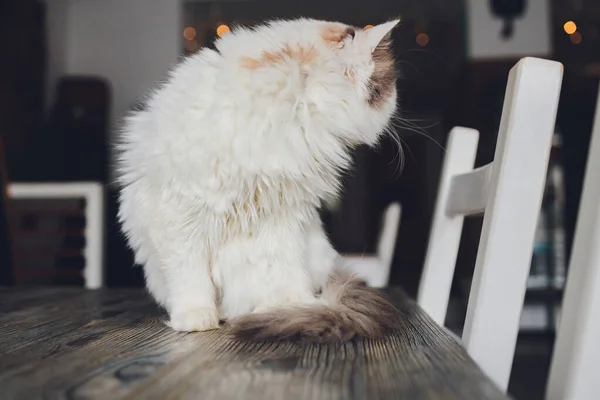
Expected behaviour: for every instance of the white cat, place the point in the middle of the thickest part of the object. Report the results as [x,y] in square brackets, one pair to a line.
[223,173]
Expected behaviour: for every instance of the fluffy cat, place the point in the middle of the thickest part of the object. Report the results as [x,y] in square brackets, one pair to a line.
[223,173]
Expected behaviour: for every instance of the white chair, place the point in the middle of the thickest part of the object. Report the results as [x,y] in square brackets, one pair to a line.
[93,193]
[508,192]
[574,373]
[375,269]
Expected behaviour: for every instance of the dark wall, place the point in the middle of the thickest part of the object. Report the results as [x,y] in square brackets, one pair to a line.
[21,79]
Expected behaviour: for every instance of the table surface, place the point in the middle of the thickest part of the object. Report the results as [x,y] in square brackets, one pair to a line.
[114,344]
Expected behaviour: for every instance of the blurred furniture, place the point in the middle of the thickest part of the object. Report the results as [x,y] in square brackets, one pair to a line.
[74,146]
[375,269]
[86,209]
[109,344]
[574,370]
[472,185]
[118,252]
[509,193]
[6,278]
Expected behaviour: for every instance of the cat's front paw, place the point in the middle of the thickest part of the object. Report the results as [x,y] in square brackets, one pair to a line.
[195,320]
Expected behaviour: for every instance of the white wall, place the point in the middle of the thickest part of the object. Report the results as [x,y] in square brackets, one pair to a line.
[56,41]
[131,43]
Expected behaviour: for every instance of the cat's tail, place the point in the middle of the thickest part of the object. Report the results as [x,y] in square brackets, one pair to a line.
[347,308]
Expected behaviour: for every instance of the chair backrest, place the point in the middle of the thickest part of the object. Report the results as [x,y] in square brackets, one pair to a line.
[92,249]
[509,193]
[574,370]
[386,243]
[442,249]
[375,269]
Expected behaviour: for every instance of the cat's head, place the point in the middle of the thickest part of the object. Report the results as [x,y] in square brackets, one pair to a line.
[325,76]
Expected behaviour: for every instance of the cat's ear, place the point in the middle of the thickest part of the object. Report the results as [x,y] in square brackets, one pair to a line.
[377,33]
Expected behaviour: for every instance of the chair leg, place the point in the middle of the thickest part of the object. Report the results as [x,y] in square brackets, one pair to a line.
[387,240]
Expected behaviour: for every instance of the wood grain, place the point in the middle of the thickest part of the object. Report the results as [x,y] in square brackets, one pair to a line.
[113,344]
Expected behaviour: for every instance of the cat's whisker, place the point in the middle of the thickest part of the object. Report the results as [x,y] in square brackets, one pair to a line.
[400,154]
[404,124]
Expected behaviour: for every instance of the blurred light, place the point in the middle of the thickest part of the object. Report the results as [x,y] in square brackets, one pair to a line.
[189,33]
[576,38]
[367,27]
[422,39]
[570,27]
[191,45]
[222,30]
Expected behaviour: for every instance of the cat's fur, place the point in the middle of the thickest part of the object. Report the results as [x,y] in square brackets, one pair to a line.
[223,173]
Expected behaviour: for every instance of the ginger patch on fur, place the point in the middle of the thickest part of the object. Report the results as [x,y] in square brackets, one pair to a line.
[335,34]
[301,55]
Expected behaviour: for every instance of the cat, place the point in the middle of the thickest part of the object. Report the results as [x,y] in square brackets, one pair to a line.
[223,173]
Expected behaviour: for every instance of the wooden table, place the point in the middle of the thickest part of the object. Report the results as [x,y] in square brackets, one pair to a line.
[113,344]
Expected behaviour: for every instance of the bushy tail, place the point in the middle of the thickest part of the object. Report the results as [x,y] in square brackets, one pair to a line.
[347,309]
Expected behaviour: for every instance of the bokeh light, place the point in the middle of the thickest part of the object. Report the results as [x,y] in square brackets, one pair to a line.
[422,39]
[570,27]
[191,45]
[189,33]
[222,30]
[576,38]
